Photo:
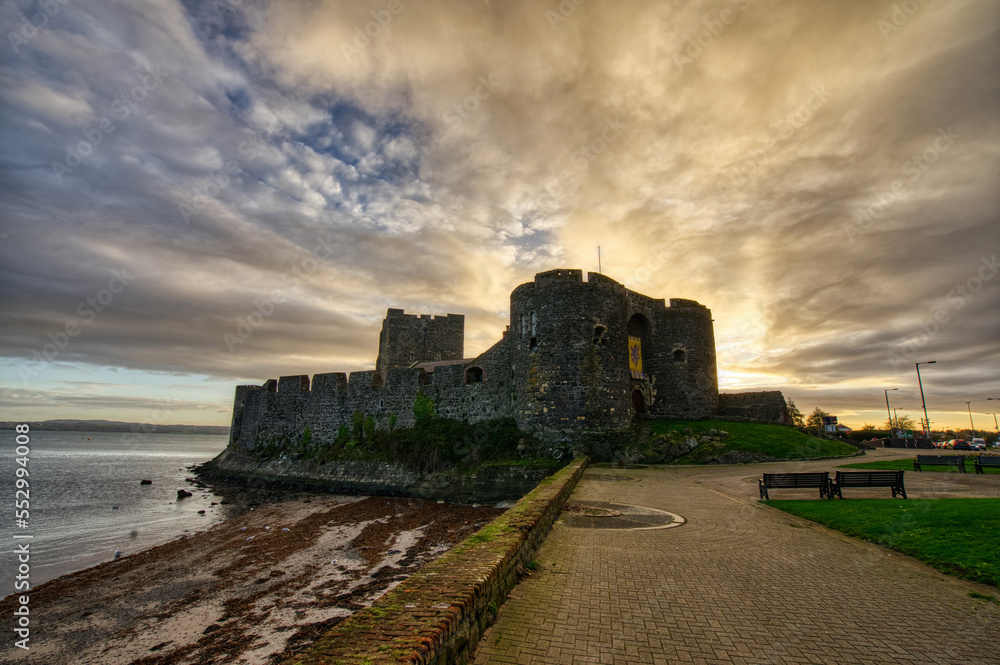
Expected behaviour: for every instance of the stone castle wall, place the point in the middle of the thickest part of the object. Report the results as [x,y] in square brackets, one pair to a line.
[282,410]
[759,407]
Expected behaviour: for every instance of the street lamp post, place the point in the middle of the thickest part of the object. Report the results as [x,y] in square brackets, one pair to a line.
[995,426]
[968,405]
[923,402]
[895,417]
[887,409]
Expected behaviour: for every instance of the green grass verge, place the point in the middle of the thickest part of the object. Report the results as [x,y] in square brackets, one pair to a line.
[908,465]
[777,441]
[956,536]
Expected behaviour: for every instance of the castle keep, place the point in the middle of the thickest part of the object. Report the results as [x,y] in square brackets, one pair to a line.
[577,356]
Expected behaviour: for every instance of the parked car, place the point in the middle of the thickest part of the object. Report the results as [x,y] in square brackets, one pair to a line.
[978,443]
[962,445]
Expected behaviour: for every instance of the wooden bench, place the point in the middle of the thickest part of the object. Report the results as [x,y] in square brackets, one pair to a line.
[993,460]
[797,481]
[940,460]
[893,479]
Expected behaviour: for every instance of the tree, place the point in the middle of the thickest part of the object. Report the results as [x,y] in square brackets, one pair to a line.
[815,420]
[868,427]
[902,422]
[795,414]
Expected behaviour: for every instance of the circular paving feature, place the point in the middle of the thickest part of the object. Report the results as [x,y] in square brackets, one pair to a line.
[602,515]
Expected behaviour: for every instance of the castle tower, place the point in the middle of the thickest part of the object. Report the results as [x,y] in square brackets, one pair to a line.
[408,338]
[594,355]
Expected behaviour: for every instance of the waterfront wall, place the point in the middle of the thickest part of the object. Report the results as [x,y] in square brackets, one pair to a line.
[488,485]
[437,615]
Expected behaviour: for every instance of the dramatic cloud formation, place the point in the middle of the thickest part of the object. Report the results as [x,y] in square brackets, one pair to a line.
[202,194]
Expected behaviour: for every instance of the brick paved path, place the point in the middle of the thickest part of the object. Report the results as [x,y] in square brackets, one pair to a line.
[738,583]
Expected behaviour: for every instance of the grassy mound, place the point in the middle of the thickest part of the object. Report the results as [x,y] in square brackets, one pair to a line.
[957,536]
[746,442]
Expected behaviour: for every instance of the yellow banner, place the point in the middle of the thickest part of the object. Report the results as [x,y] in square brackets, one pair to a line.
[634,354]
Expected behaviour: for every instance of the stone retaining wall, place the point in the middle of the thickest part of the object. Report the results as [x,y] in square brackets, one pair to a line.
[436,616]
[490,484]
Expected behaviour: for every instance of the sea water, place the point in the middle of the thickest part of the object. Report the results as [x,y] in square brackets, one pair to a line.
[86,500]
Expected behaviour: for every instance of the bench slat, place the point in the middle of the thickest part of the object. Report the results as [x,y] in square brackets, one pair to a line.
[795,480]
[983,460]
[891,479]
[940,460]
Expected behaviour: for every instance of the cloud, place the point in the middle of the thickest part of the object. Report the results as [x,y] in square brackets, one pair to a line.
[15,399]
[823,183]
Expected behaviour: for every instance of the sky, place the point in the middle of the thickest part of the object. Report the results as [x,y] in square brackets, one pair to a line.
[197,195]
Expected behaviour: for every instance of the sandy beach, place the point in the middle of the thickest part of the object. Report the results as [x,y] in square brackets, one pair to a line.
[250,590]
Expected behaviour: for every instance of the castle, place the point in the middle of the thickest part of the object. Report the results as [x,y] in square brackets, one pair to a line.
[578,356]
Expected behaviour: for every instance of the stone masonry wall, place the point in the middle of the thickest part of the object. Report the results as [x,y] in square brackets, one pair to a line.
[262,416]
[408,338]
[683,362]
[759,407]
[569,352]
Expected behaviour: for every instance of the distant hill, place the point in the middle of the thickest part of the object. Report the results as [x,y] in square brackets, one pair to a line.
[114,426]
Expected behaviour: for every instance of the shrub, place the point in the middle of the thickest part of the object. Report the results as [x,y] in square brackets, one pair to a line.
[359,424]
[423,409]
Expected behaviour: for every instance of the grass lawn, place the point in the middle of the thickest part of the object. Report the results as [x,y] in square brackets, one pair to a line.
[907,464]
[779,441]
[957,536]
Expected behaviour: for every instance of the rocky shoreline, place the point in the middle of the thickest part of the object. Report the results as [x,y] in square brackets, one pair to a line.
[250,590]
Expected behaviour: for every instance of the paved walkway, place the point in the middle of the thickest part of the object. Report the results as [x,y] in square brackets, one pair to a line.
[737,583]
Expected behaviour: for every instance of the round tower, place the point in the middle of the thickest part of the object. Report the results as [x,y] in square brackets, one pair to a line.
[594,356]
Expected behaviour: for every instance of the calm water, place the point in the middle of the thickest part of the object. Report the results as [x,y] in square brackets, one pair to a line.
[76,480]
